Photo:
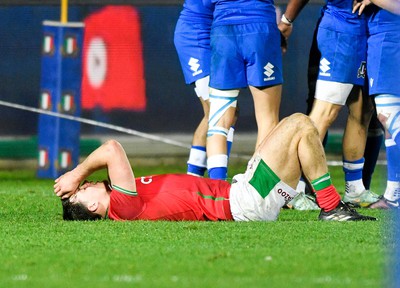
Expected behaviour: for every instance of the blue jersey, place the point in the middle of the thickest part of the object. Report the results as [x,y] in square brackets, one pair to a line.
[381,20]
[383,52]
[227,12]
[197,11]
[338,16]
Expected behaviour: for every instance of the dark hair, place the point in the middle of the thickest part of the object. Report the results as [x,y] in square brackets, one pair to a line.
[77,211]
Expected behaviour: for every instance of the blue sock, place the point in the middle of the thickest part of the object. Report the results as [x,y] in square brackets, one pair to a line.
[353,176]
[353,169]
[371,154]
[197,163]
[220,173]
[196,170]
[218,166]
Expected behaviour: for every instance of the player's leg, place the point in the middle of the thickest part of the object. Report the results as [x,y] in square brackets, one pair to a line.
[197,162]
[221,118]
[354,141]
[227,76]
[375,138]
[388,110]
[383,84]
[324,113]
[266,105]
[293,147]
[192,42]
[261,50]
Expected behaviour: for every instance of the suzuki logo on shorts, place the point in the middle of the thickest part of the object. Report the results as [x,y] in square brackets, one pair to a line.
[285,195]
[194,66]
[269,70]
[324,67]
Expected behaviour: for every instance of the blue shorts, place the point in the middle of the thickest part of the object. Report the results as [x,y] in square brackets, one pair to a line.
[383,63]
[192,42]
[243,55]
[343,57]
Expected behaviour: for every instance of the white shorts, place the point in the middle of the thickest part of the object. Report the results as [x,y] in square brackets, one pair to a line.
[258,195]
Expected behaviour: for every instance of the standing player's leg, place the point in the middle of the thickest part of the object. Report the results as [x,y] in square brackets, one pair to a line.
[388,110]
[226,78]
[383,44]
[354,142]
[221,119]
[262,52]
[197,162]
[266,105]
[372,149]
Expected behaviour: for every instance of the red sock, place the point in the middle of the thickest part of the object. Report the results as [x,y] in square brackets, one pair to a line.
[328,198]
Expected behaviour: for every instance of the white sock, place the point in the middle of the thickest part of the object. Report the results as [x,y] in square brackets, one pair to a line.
[355,187]
[392,192]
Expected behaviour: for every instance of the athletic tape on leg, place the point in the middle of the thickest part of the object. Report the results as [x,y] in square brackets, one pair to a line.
[202,89]
[389,107]
[220,101]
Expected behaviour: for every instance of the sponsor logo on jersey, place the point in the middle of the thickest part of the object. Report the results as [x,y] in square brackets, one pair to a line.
[194,66]
[362,70]
[324,67]
[269,70]
[146,180]
[285,195]
[371,82]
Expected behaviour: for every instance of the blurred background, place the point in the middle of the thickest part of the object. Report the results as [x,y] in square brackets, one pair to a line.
[134,80]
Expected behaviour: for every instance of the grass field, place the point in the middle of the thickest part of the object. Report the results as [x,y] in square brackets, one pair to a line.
[38,249]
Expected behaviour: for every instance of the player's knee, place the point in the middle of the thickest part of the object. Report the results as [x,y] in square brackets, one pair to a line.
[222,103]
[302,119]
[304,124]
[388,110]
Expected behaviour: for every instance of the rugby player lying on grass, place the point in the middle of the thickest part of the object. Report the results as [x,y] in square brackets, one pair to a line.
[266,186]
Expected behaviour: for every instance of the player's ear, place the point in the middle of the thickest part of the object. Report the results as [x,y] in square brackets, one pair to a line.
[93,206]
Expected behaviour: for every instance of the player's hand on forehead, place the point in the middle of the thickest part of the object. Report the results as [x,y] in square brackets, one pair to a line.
[66,185]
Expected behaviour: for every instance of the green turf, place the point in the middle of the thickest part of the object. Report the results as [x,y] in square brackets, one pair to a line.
[38,249]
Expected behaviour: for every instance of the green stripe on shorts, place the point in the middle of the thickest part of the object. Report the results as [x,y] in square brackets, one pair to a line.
[264,179]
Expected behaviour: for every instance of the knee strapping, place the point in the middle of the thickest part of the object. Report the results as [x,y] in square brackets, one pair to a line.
[216,130]
[388,106]
[202,89]
[220,101]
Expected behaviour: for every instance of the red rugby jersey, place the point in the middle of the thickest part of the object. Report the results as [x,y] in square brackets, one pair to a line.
[174,197]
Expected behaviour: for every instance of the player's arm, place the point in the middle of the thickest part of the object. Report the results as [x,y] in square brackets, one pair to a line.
[293,9]
[392,6]
[111,156]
